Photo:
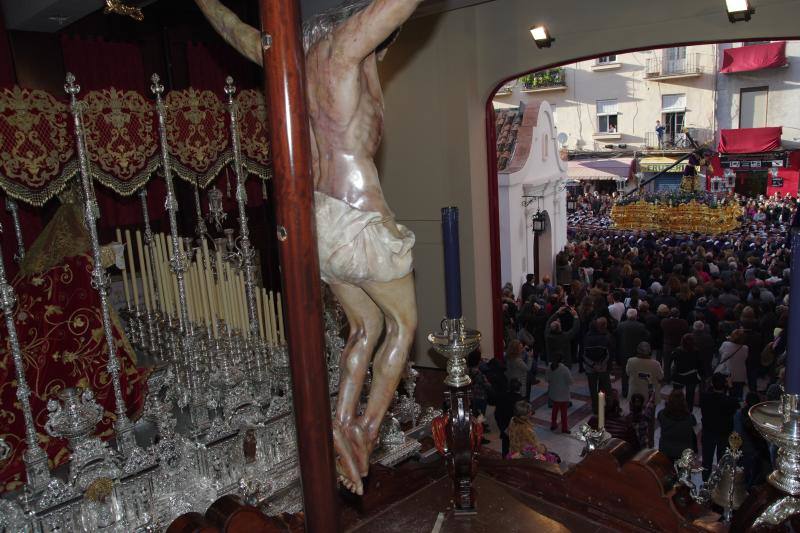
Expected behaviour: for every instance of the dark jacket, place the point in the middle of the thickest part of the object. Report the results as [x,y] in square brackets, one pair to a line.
[717,410]
[560,343]
[597,351]
[629,334]
[677,434]
[687,368]
[673,329]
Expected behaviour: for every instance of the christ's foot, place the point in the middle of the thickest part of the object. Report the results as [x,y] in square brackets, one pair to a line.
[346,466]
[361,445]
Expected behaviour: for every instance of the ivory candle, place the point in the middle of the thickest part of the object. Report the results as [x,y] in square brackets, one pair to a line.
[124,274]
[601,410]
[280,320]
[201,281]
[272,322]
[210,291]
[143,270]
[150,275]
[260,313]
[267,325]
[165,290]
[132,269]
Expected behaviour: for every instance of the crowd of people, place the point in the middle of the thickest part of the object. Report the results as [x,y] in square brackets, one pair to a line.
[668,322]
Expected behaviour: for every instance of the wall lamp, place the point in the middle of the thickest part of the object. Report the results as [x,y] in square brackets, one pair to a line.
[541,36]
[739,10]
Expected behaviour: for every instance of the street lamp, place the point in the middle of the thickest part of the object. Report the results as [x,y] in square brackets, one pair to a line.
[539,222]
[571,204]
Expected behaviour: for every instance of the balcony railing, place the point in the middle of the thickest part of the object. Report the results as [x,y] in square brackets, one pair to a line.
[677,141]
[546,79]
[662,67]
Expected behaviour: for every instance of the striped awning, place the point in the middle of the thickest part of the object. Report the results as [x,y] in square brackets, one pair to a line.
[599,169]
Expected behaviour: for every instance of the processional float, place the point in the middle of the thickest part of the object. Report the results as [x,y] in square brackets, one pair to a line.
[219,400]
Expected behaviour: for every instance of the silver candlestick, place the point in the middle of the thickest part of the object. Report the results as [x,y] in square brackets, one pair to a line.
[455,342]
[11,207]
[123,426]
[779,423]
[35,458]
[246,250]
[200,229]
[178,263]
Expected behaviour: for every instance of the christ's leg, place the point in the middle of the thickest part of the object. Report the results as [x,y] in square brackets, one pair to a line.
[366,323]
[397,300]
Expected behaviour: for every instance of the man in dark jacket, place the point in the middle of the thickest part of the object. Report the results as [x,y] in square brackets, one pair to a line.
[557,341]
[598,345]
[629,334]
[673,330]
[705,345]
[528,288]
[717,410]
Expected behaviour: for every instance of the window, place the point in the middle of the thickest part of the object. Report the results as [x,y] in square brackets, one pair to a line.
[674,60]
[607,116]
[753,107]
[604,60]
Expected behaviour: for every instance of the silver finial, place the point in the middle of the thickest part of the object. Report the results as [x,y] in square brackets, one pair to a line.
[156,87]
[230,88]
[71,88]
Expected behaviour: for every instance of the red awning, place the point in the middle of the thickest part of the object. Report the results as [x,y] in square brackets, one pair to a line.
[754,57]
[750,140]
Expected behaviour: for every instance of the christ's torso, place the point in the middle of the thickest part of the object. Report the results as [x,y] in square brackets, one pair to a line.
[346,113]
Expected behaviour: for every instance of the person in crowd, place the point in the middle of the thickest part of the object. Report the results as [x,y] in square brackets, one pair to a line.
[717,410]
[673,329]
[558,342]
[559,380]
[755,449]
[677,427]
[733,362]
[642,417]
[504,409]
[629,334]
[755,345]
[598,346]
[528,288]
[687,368]
[615,306]
[523,442]
[644,373]
[481,388]
[516,366]
[705,345]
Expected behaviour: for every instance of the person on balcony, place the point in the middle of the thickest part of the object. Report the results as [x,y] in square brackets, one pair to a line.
[660,129]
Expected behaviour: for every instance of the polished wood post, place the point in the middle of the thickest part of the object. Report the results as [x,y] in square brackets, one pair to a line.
[284,87]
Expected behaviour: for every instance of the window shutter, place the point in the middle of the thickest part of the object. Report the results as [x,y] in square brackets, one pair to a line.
[673,102]
[606,107]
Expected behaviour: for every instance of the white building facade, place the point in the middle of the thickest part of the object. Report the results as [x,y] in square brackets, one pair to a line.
[616,100]
[533,174]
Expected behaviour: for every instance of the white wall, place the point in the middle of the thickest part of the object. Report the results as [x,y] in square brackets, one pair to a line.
[541,175]
[437,78]
[783,97]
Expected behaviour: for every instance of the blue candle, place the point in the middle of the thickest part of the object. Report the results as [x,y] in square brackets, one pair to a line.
[792,385]
[452,265]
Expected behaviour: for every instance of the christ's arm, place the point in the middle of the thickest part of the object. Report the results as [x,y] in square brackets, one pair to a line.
[245,39]
[361,34]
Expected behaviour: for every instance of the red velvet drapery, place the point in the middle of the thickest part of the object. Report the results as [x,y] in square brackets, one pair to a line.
[209,66]
[753,57]
[7,75]
[100,64]
[750,140]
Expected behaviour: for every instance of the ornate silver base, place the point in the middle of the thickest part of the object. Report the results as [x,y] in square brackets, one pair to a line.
[455,342]
[779,423]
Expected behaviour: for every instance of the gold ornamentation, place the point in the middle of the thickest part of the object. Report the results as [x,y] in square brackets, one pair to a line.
[197,134]
[116,6]
[120,138]
[36,144]
[254,133]
[690,217]
[99,489]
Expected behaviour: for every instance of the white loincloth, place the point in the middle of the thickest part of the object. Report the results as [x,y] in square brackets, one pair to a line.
[355,246]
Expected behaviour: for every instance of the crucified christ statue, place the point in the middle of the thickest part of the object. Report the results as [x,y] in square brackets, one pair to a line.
[365,256]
